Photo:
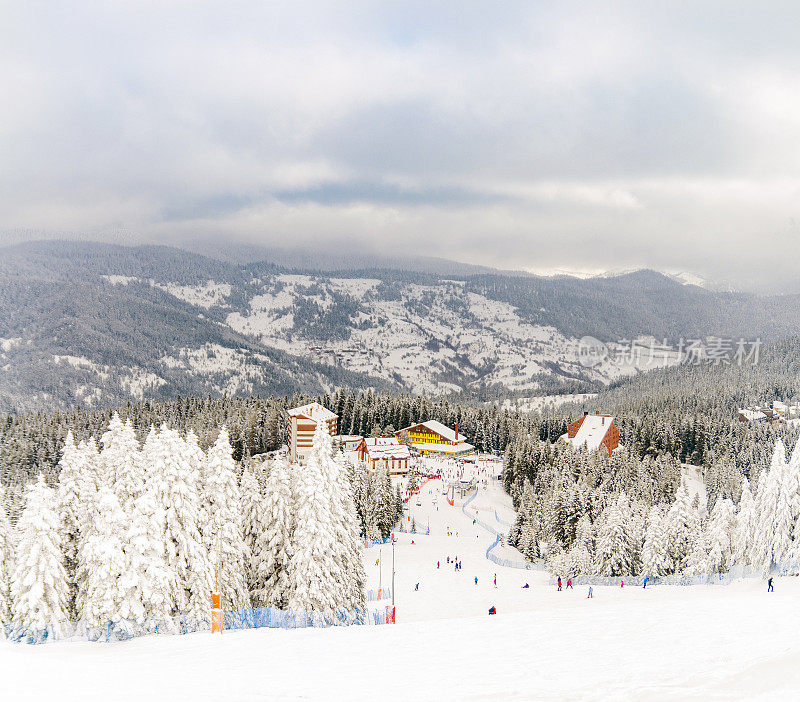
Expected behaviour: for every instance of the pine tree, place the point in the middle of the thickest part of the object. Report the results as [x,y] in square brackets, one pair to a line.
[743,535]
[6,564]
[682,529]
[121,461]
[316,568]
[70,512]
[655,554]
[178,507]
[613,543]
[272,554]
[102,563]
[224,534]
[148,582]
[39,589]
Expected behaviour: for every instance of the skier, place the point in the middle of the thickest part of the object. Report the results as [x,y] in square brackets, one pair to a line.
[590,592]
[416,587]
[492,610]
[437,565]
[525,586]
[448,559]
[569,584]
[559,583]
[622,583]
[769,586]
[644,587]
[495,579]
[476,579]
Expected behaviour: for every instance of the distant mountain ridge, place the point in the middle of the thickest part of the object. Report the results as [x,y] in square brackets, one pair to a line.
[88,323]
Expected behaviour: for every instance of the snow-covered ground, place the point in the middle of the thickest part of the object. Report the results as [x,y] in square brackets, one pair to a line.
[663,643]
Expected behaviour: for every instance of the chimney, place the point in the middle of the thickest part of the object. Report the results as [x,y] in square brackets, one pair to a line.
[586,413]
[456,432]
[597,412]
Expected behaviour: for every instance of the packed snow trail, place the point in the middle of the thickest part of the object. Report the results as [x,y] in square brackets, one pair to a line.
[445,593]
[669,643]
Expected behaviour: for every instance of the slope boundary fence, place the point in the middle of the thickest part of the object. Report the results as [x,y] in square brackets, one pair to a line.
[260,617]
[504,562]
[735,574]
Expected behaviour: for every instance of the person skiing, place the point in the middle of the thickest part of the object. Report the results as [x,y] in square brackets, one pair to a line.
[476,579]
[437,565]
[590,592]
[416,587]
[448,559]
[644,586]
[769,586]
[622,583]
[525,586]
[569,584]
[495,579]
[492,610]
[559,583]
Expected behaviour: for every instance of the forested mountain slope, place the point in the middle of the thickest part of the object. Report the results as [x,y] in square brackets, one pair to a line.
[95,324]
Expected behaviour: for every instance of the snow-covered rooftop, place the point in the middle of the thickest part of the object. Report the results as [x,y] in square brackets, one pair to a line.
[440,429]
[592,431]
[314,411]
[386,448]
[752,415]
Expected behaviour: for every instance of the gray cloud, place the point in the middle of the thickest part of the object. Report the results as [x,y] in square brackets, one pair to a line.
[515,134]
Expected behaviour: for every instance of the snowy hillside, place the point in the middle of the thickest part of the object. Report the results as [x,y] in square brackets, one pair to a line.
[542,644]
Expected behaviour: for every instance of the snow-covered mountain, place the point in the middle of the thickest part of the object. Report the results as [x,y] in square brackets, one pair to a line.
[94,324]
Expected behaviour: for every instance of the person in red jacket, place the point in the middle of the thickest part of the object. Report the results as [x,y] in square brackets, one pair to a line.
[559,583]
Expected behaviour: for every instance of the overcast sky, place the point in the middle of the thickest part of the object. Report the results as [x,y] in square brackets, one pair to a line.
[579,136]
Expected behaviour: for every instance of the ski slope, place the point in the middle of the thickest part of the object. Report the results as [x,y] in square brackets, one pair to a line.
[663,643]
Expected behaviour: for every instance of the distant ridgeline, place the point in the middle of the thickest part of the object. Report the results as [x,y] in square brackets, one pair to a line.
[95,325]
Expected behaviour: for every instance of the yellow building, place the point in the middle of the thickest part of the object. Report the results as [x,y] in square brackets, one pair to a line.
[435,437]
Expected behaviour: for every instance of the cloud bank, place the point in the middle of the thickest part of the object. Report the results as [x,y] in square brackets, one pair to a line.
[514,134]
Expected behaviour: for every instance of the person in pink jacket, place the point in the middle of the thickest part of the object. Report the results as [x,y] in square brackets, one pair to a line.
[622,583]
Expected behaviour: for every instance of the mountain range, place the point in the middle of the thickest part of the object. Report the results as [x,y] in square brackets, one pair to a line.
[97,324]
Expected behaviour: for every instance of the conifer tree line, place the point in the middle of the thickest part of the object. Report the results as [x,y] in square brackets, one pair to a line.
[147,530]
[604,530]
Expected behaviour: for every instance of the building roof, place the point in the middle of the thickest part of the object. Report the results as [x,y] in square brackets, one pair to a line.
[752,415]
[592,431]
[438,428]
[381,448]
[314,411]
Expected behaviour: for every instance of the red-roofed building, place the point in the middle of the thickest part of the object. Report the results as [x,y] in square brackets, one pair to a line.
[594,431]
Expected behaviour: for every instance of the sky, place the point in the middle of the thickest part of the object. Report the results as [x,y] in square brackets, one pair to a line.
[539,136]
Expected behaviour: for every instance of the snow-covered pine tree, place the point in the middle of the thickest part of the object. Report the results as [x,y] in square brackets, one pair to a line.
[348,528]
[102,562]
[39,590]
[745,518]
[253,522]
[681,524]
[223,533]
[148,582]
[316,568]
[767,499]
[613,542]
[178,507]
[121,461]
[6,564]
[721,531]
[272,552]
[655,554]
[70,513]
